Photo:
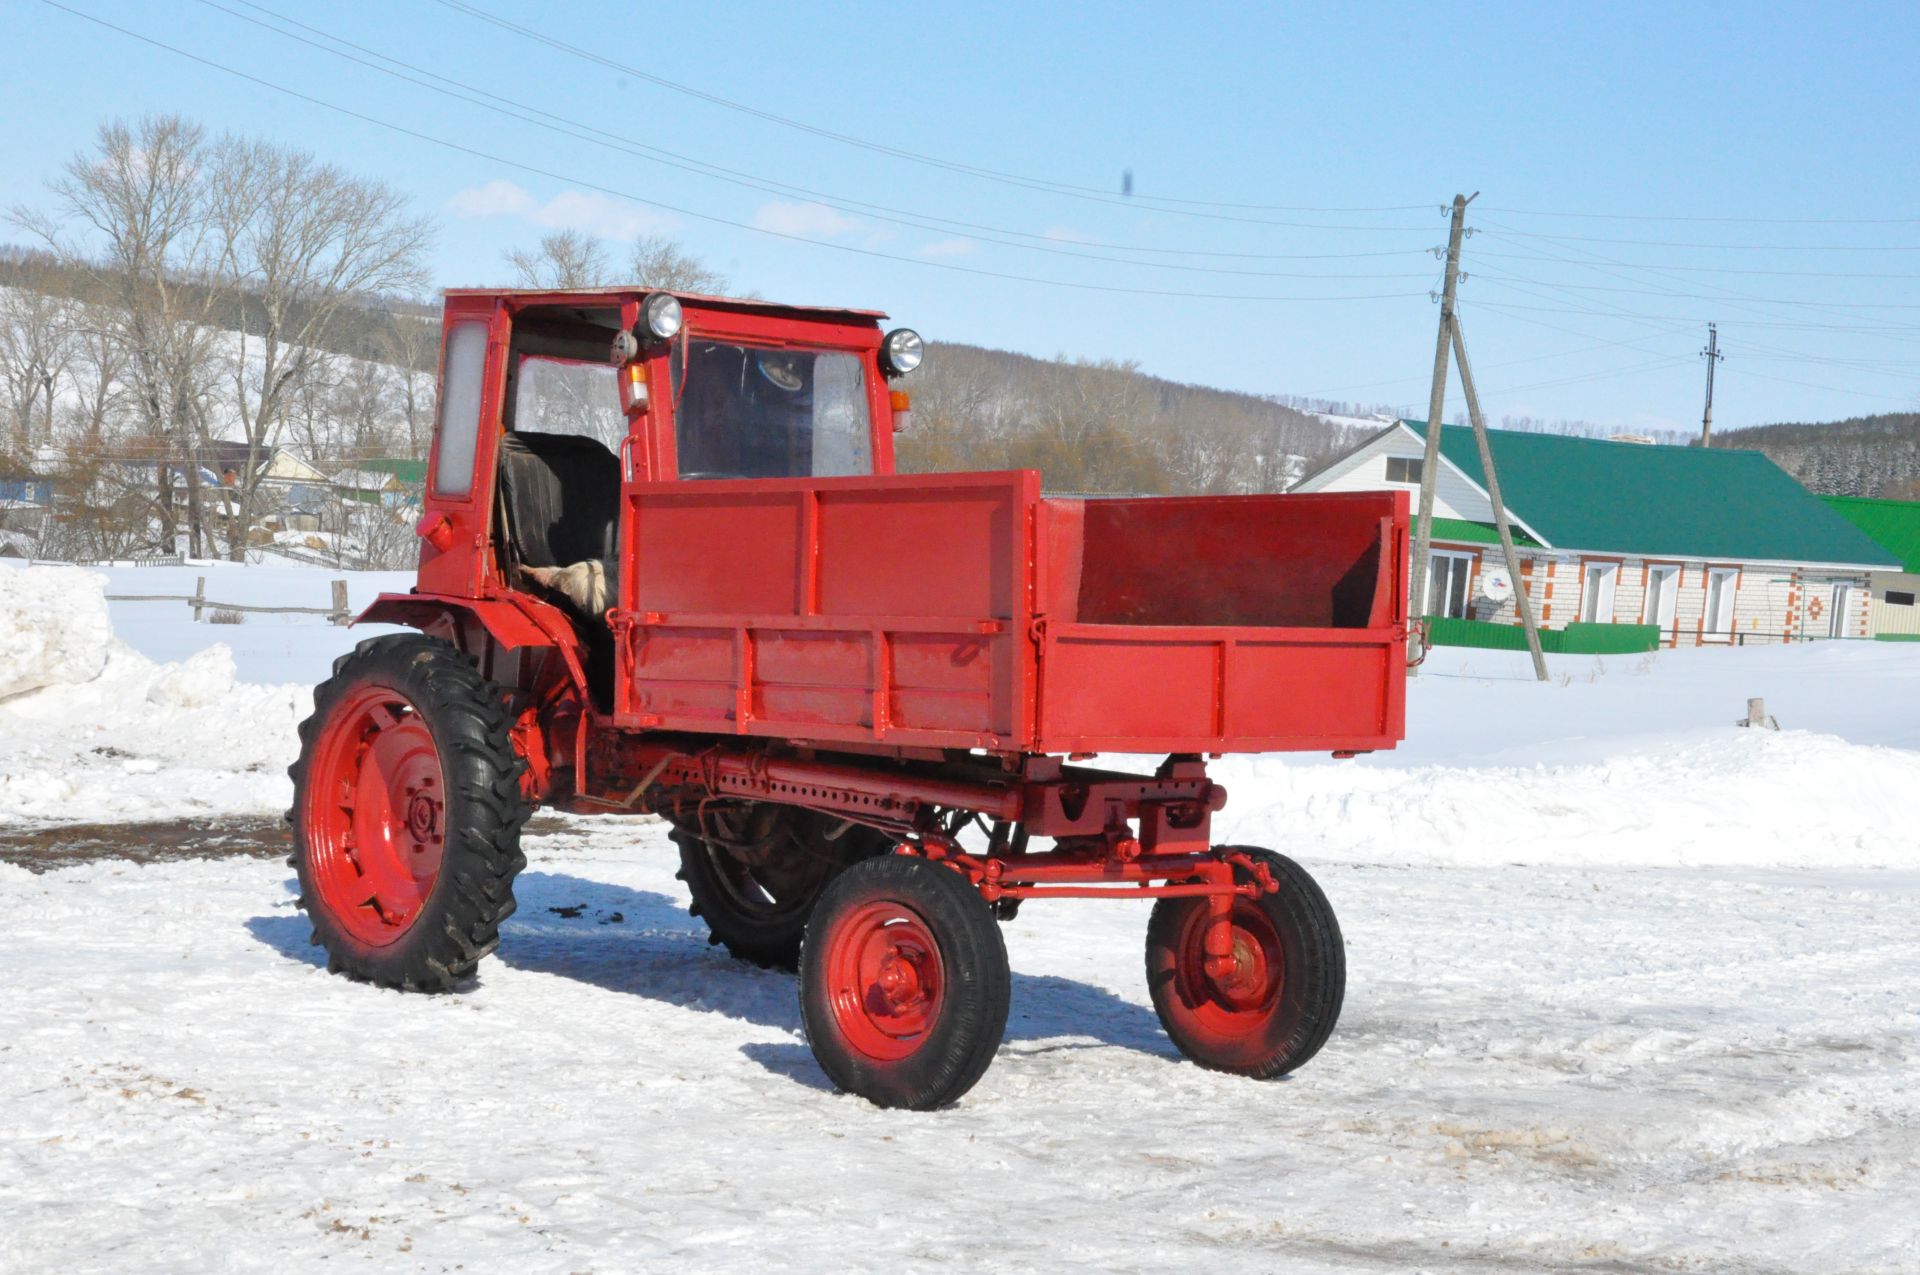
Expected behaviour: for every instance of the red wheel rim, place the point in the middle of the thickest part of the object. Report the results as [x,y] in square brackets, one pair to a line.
[885,980]
[375,815]
[1241,1002]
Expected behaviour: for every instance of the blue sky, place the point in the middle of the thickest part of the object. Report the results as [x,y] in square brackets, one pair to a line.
[1618,149]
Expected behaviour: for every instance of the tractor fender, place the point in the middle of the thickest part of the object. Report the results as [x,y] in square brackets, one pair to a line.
[511,623]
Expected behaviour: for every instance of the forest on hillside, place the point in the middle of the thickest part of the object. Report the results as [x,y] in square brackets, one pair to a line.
[1860,456]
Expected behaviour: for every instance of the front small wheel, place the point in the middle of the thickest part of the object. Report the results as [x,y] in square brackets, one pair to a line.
[1277,1004]
[903,983]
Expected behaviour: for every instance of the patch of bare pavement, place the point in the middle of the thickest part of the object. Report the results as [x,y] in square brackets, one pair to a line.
[166,841]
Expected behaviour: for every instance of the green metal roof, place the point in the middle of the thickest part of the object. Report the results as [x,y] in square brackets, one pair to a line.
[1460,531]
[407,471]
[1587,493]
[1893,524]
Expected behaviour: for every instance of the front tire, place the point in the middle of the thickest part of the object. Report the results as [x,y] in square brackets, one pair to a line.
[1277,1006]
[407,813]
[903,983]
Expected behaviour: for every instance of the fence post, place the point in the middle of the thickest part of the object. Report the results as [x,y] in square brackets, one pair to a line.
[340,613]
[199,597]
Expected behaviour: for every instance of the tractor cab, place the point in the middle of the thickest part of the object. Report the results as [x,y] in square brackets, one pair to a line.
[552,402]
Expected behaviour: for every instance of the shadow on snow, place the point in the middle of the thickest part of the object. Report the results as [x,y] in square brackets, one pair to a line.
[640,943]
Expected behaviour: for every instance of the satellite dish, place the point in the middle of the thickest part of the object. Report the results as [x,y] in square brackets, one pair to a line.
[1496,585]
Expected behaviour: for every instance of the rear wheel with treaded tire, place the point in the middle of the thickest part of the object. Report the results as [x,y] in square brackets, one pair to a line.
[903,983]
[407,813]
[758,870]
[1277,1005]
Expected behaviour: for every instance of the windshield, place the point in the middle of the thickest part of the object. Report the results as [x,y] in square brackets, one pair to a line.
[752,413]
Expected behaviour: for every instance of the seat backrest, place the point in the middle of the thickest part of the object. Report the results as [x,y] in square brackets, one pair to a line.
[562,495]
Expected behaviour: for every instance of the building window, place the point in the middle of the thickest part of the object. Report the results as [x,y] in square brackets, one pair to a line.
[1403,469]
[1842,607]
[1448,578]
[1721,583]
[1596,597]
[1897,599]
[1663,596]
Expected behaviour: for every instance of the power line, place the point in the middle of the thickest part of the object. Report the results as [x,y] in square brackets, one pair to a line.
[1182,207]
[1731,221]
[582,131]
[1724,247]
[1589,260]
[617,193]
[1740,270]
[1702,296]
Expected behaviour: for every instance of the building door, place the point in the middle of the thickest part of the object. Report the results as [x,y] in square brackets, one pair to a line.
[1842,604]
[1596,599]
[1448,577]
[1663,595]
[1719,617]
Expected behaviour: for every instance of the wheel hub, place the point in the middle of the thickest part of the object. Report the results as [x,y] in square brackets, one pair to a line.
[375,816]
[423,819]
[887,980]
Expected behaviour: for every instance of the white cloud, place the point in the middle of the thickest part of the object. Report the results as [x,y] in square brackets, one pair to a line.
[589,212]
[1066,234]
[949,248]
[495,199]
[810,221]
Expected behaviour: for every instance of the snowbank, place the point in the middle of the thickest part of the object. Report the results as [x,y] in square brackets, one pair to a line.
[94,731]
[53,628]
[1729,796]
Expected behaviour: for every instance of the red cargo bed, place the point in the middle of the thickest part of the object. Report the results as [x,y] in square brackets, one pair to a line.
[966,611]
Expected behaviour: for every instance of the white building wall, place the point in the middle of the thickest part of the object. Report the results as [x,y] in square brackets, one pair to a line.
[1888,617]
[1771,602]
[1366,470]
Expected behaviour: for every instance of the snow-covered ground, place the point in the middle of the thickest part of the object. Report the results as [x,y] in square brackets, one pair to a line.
[1630,989]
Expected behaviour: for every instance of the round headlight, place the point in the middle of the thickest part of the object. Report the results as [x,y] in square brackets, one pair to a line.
[661,316]
[902,351]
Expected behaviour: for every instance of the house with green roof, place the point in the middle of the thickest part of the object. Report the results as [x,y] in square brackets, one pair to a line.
[1714,546]
[1895,526]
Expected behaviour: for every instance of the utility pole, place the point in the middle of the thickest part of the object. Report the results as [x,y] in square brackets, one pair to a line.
[1436,399]
[1501,523]
[1712,355]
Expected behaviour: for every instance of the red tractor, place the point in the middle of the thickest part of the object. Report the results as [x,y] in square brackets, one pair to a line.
[666,567]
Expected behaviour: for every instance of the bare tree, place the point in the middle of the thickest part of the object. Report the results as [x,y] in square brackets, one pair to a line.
[131,216]
[410,345]
[307,245]
[37,347]
[563,259]
[661,263]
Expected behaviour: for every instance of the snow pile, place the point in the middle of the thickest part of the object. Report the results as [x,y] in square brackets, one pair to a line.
[199,681]
[1787,798]
[95,731]
[53,628]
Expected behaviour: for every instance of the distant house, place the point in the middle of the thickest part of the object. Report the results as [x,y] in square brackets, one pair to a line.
[368,487]
[1895,526]
[409,473]
[25,502]
[275,465]
[1714,546]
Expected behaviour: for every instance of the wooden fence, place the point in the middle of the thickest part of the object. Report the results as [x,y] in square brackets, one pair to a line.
[338,613]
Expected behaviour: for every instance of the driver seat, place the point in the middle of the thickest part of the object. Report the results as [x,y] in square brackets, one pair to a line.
[560,494]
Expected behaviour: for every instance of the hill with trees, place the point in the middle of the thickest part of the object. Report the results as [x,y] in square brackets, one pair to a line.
[1860,456]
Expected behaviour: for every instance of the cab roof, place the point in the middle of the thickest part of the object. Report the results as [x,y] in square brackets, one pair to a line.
[575,296]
